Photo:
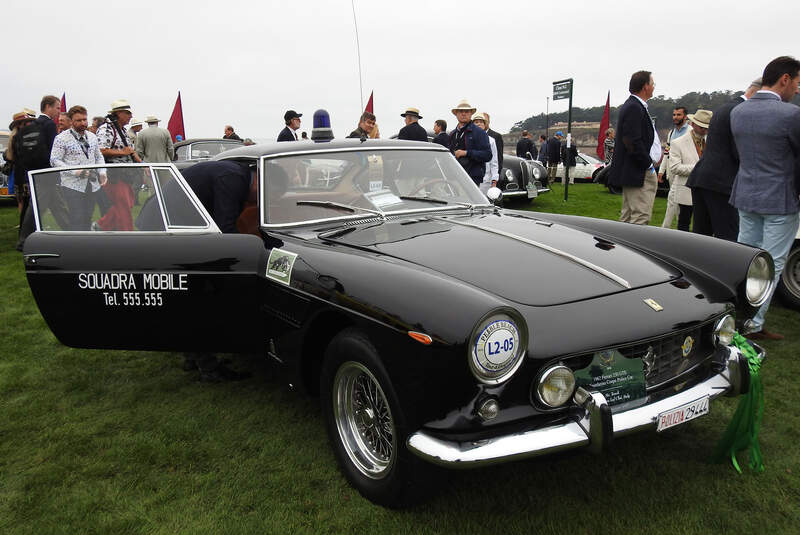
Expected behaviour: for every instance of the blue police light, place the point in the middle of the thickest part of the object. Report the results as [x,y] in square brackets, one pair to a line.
[322,127]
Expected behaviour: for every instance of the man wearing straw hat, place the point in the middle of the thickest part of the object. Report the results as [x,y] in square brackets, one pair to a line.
[684,153]
[134,128]
[470,144]
[154,144]
[412,131]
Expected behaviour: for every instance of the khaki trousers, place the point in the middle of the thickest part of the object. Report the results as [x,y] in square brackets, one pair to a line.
[637,202]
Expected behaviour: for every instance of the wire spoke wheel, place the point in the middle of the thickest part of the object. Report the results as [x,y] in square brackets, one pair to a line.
[364,420]
[789,283]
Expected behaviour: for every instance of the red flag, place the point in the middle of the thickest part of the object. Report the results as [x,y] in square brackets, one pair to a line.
[63,102]
[601,135]
[175,125]
[369,103]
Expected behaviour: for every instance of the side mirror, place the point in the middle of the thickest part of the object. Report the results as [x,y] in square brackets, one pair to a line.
[494,193]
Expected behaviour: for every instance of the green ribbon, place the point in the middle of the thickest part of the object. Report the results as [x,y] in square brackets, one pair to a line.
[742,431]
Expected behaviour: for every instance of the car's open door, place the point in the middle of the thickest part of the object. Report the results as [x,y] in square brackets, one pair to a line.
[137,263]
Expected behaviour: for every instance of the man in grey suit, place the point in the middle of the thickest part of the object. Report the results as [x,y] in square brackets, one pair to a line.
[154,144]
[766,130]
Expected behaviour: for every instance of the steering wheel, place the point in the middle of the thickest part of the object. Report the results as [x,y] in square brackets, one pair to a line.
[445,186]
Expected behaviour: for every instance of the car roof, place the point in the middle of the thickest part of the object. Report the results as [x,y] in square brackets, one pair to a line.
[288,147]
[208,139]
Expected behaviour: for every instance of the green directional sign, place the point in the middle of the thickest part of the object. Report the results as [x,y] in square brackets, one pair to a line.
[562,90]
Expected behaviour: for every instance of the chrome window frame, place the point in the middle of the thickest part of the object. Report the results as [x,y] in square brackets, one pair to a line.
[210,226]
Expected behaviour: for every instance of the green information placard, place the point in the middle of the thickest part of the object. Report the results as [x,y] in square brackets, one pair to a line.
[619,379]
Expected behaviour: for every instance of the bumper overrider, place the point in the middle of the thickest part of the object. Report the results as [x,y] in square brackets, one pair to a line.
[594,429]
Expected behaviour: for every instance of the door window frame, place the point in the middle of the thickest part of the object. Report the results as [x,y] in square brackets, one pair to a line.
[210,226]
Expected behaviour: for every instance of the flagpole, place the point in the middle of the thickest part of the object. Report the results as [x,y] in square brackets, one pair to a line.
[358,50]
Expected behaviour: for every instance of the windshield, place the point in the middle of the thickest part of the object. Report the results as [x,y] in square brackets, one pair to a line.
[208,149]
[310,187]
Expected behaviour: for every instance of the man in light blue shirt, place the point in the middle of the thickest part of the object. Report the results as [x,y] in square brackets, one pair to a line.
[766,130]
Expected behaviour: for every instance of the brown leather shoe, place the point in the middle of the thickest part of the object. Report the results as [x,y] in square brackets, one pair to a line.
[764,334]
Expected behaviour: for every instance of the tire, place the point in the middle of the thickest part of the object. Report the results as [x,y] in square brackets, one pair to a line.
[366,425]
[789,283]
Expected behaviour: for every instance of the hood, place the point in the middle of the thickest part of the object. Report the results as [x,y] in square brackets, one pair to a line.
[528,261]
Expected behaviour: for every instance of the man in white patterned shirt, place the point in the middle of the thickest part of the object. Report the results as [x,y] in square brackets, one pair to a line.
[80,189]
[116,148]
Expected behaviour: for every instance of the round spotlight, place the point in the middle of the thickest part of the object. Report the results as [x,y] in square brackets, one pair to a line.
[556,386]
[724,331]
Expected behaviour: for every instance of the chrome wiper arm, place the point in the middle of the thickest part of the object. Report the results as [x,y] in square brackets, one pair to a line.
[345,207]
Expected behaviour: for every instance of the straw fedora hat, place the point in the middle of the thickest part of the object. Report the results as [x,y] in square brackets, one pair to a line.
[19,117]
[120,105]
[152,119]
[464,105]
[479,117]
[414,112]
[701,118]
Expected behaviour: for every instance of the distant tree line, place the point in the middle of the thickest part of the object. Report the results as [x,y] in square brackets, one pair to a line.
[660,108]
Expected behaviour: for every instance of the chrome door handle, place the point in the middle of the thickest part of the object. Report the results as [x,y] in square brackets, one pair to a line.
[31,258]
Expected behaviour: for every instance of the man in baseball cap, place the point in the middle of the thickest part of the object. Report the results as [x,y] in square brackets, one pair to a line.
[289,132]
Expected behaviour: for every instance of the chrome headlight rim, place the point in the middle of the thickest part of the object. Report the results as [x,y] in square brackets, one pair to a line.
[542,380]
[476,356]
[754,295]
[721,327]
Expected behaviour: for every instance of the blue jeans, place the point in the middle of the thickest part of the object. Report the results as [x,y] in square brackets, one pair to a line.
[773,233]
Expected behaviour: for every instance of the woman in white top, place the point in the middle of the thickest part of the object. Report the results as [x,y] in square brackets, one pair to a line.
[492,172]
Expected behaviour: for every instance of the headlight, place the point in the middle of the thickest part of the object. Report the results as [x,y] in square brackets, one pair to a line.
[724,331]
[759,279]
[496,348]
[537,173]
[556,386]
[509,174]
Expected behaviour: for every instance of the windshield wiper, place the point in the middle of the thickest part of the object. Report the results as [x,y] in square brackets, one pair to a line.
[340,206]
[423,199]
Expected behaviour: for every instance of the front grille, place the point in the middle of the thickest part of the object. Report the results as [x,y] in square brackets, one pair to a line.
[664,359]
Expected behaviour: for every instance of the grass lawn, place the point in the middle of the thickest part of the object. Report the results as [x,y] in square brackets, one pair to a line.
[126,442]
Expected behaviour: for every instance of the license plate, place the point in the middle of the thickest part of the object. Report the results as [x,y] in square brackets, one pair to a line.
[532,192]
[682,414]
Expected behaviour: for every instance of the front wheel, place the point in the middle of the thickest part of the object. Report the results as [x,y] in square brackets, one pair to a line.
[366,425]
[789,283]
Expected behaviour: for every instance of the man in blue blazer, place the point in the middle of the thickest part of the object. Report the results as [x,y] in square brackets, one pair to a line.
[636,151]
[292,120]
[766,130]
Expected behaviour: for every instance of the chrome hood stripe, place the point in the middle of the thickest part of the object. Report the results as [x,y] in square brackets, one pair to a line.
[585,263]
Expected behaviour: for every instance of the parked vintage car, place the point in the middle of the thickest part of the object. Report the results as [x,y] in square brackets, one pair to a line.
[586,168]
[789,283]
[380,277]
[521,178]
[191,151]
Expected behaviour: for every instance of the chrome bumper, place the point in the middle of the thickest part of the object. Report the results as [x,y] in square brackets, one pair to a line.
[594,429]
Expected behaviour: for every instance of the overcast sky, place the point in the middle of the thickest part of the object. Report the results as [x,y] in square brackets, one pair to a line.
[246,63]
